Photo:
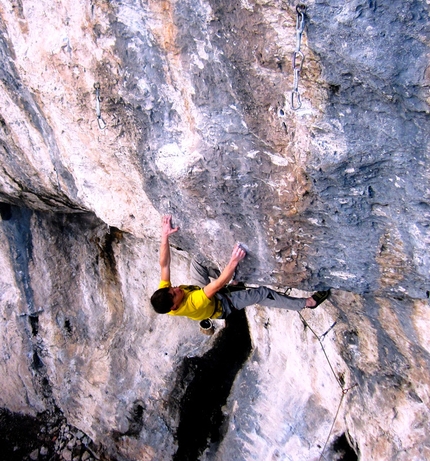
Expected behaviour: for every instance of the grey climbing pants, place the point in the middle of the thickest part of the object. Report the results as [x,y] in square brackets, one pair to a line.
[241,298]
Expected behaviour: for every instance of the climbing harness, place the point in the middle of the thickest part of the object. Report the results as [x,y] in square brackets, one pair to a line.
[100,121]
[344,389]
[298,58]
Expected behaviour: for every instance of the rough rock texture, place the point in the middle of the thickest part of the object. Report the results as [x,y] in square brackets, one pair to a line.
[195,98]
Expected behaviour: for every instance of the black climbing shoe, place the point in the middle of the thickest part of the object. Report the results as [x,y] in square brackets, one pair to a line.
[320,297]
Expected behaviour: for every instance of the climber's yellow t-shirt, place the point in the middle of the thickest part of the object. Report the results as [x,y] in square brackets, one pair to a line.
[195,305]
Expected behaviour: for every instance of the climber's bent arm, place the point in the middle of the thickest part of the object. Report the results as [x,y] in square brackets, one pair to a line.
[212,288]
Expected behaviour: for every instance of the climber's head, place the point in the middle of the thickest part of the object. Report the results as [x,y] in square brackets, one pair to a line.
[162,300]
[167,299]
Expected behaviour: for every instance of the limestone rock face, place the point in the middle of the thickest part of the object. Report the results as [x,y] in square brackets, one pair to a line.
[114,113]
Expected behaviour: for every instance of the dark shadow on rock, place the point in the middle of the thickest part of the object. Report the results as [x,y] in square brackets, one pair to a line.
[135,419]
[5,211]
[17,229]
[203,386]
[342,450]
[46,436]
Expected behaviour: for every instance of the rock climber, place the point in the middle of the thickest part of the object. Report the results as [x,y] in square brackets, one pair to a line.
[209,299]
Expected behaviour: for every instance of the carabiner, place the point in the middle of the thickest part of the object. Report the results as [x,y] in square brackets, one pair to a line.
[298,66]
[300,22]
[298,98]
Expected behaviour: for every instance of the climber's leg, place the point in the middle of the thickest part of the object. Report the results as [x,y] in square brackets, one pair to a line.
[200,273]
[266,297]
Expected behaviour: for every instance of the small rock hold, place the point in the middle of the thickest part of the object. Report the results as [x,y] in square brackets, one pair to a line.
[43,451]
[34,454]
[85,456]
[71,444]
[67,455]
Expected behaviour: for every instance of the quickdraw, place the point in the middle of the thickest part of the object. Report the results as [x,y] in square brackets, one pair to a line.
[298,58]
[100,121]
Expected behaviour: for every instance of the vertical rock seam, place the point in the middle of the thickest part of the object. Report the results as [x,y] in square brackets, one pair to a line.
[203,386]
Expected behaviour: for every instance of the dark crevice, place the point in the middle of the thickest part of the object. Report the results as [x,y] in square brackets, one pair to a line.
[136,422]
[342,449]
[135,419]
[68,327]
[34,323]
[106,250]
[5,211]
[203,386]
[37,361]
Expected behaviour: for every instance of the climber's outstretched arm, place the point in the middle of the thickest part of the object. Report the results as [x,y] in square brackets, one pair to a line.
[166,231]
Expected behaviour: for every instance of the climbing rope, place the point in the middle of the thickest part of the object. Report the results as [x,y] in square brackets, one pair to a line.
[100,121]
[298,57]
[344,389]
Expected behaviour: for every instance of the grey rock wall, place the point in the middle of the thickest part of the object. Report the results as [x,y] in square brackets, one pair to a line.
[377,104]
[195,98]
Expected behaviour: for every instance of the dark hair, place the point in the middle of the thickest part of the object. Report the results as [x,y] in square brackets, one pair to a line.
[162,301]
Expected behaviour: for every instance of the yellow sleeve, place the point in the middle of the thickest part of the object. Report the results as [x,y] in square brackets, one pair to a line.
[164,284]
